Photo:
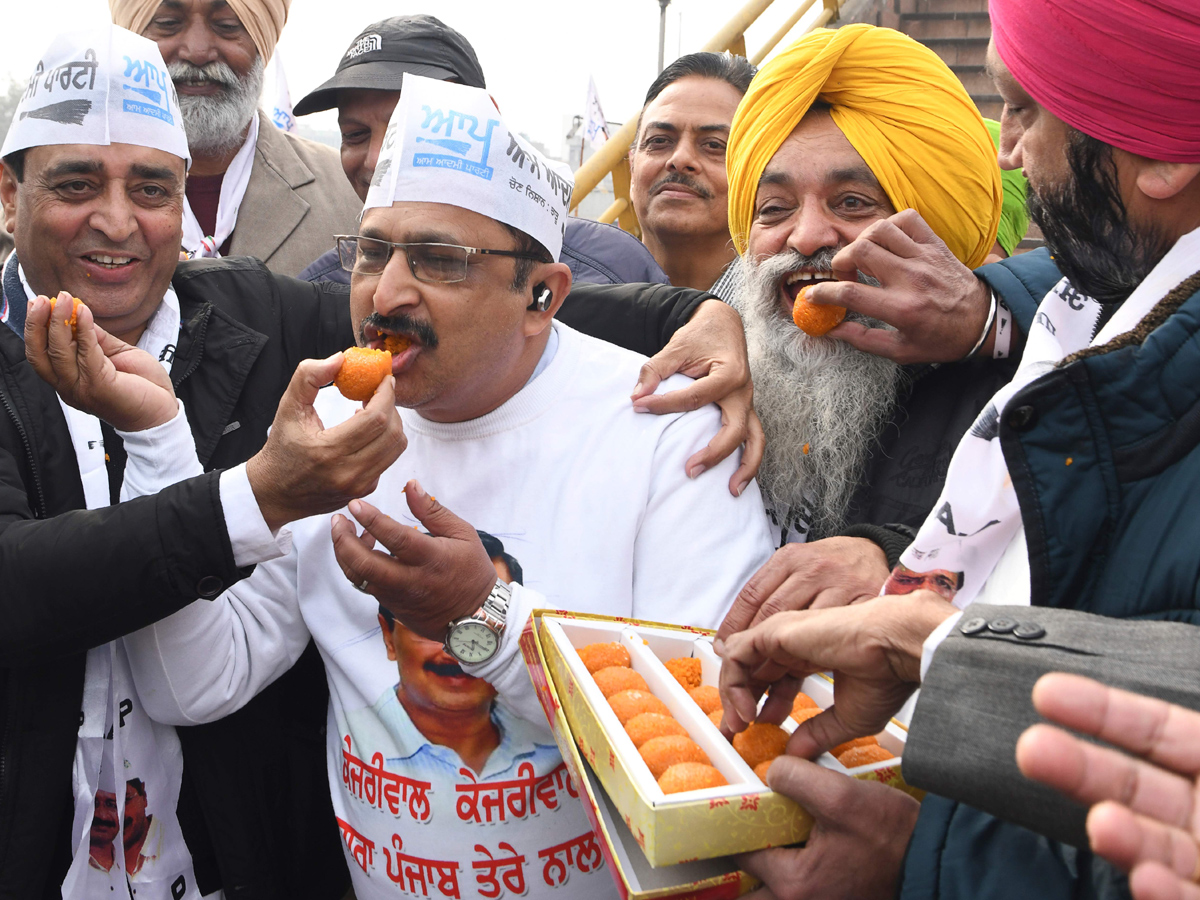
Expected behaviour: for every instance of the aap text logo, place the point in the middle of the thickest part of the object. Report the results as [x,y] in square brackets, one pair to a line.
[459,134]
[153,88]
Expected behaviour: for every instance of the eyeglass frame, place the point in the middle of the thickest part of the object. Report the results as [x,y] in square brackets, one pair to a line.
[412,266]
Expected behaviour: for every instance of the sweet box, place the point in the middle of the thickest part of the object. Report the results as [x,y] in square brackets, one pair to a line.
[665,845]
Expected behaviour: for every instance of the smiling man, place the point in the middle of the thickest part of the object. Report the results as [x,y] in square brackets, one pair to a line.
[677,164]
[523,427]
[828,148]
[92,185]
[253,190]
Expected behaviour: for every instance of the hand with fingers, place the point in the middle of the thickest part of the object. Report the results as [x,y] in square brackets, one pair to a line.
[426,580]
[712,349]
[937,306]
[836,571]
[92,370]
[873,648]
[1145,808]
[305,468]
[860,834]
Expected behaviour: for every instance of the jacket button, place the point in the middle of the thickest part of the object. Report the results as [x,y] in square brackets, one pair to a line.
[209,586]
[973,626]
[1002,626]
[1022,418]
[1029,631]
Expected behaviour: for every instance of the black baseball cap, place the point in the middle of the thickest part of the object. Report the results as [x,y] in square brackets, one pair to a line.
[381,55]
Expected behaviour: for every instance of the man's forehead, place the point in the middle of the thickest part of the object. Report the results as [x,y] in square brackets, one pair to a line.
[694,100]
[353,103]
[107,160]
[1000,74]
[204,7]
[437,222]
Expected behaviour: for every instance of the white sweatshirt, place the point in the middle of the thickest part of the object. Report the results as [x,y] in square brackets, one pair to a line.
[593,501]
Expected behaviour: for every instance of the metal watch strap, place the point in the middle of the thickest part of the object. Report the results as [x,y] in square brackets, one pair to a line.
[493,613]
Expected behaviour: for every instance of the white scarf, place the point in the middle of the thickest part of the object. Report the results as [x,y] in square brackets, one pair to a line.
[106,757]
[977,514]
[233,189]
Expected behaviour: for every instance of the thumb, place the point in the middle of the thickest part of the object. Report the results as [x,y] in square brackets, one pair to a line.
[438,520]
[662,365]
[814,736]
[819,790]
[310,376]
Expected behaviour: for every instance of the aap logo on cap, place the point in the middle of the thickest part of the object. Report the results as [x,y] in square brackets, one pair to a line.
[460,135]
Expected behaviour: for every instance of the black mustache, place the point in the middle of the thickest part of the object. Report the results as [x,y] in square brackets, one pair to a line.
[418,331]
[680,178]
[446,670]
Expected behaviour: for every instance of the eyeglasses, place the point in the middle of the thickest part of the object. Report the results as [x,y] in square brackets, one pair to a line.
[431,263]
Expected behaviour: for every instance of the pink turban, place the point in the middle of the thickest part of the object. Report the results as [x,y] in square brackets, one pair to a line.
[262,19]
[1126,72]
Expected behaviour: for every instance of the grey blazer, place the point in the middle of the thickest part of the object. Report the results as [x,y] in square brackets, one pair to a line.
[975,701]
[297,199]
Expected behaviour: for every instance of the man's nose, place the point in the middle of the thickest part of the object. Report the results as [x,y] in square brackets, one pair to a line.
[1010,155]
[813,229]
[197,44]
[397,287]
[683,158]
[114,215]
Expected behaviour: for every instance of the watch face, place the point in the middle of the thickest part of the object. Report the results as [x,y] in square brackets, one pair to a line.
[473,642]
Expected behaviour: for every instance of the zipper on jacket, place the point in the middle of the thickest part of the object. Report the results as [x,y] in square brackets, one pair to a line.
[40,507]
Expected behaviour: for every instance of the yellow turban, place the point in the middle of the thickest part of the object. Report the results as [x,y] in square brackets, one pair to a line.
[904,112]
[262,19]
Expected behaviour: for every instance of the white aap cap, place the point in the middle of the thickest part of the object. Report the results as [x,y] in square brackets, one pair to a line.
[446,143]
[101,86]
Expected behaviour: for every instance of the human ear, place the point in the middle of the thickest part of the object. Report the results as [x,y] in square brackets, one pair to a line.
[388,640]
[1163,180]
[552,277]
[8,197]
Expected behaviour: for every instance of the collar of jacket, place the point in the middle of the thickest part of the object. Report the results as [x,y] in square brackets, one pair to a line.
[228,350]
[271,209]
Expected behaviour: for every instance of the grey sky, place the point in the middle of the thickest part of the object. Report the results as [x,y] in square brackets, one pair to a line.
[537,54]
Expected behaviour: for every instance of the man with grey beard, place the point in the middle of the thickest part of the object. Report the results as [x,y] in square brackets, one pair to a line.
[823,403]
[252,190]
[861,423]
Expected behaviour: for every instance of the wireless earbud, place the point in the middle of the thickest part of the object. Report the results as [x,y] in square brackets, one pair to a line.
[542,297]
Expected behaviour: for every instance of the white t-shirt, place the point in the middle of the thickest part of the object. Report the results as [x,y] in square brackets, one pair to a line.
[593,502]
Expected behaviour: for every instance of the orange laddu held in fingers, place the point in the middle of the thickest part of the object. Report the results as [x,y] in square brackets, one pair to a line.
[760,742]
[852,743]
[685,670]
[814,319]
[614,679]
[73,320]
[647,726]
[362,371]
[600,656]
[628,704]
[661,753]
[690,776]
[861,756]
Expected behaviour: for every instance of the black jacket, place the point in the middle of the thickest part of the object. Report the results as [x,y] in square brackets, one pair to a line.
[255,807]
[934,408]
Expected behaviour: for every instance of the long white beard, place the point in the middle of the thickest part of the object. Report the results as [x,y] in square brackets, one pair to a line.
[216,124]
[823,403]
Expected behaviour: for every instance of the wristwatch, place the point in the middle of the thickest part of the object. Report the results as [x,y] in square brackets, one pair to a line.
[475,639]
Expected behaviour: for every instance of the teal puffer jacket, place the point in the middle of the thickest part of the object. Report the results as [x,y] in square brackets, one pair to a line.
[1104,453]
